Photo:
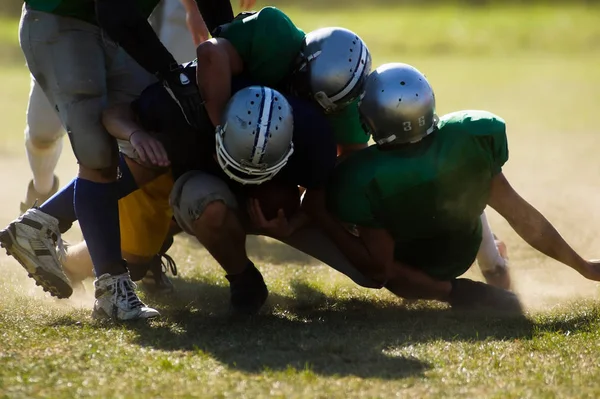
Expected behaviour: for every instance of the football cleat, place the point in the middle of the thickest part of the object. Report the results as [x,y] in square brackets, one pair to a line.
[32,240]
[116,299]
[248,291]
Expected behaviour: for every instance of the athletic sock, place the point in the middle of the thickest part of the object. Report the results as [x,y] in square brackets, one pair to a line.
[42,162]
[62,204]
[488,256]
[97,208]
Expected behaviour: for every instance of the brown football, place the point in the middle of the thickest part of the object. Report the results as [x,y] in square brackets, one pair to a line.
[273,196]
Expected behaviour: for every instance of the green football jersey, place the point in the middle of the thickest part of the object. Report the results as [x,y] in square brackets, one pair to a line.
[268,42]
[429,195]
[82,9]
[347,127]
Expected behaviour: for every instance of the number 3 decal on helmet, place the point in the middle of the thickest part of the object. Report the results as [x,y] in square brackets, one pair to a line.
[398,105]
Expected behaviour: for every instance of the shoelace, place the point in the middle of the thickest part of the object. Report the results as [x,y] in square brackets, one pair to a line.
[124,291]
[168,264]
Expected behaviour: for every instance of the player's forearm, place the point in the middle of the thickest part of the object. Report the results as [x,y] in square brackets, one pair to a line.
[352,247]
[411,283]
[120,121]
[124,23]
[538,232]
[195,22]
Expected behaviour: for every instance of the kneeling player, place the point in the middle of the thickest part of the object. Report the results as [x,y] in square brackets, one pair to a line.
[264,136]
[415,198]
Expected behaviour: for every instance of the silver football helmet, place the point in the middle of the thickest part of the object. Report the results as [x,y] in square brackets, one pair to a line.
[398,105]
[336,63]
[254,140]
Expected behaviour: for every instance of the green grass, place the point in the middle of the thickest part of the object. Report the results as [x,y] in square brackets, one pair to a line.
[319,335]
[498,31]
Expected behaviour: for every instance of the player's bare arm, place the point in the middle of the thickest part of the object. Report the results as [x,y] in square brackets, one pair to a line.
[195,22]
[351,246]
[218,60]
[535,229]
[122,124]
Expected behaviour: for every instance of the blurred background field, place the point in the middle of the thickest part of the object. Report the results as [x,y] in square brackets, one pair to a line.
[536,64]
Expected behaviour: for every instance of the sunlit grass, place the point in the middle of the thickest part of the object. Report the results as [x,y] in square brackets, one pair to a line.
[319,335]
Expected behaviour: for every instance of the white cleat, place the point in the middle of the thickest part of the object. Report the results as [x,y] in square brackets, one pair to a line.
[32,240]
[116,299]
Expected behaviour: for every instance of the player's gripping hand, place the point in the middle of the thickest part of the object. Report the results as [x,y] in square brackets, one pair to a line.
[186,94]
[469,294]
[149,149]
[276,227]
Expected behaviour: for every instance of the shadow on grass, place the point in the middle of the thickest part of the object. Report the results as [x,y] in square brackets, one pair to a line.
[312,331]
[349,337]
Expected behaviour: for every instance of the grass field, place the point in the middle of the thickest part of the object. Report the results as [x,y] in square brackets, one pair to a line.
[319,335]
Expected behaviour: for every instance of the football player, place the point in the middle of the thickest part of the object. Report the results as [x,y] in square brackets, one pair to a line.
[327,66]
[43,131]
[264,136]
[80,69]
[414,199]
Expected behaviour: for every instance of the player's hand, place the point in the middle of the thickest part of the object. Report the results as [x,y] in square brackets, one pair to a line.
[469,294]
[247,4]
[591,270]
[277,227]
[149,149]
[186,94]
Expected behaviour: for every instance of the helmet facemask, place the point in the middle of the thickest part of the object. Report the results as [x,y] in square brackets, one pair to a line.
[254,141]
[246,172]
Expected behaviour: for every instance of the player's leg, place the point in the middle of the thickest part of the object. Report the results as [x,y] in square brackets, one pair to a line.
[492,257]
[145,217]
[145,221]
[205,207]
[32,238]
[315,243]
[43,145]
[67,58]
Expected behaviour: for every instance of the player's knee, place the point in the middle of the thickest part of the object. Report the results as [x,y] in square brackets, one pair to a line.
[41,140]
[213,216]
[42,134]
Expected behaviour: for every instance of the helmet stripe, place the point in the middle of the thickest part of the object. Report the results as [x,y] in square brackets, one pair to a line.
[260,139]
[268,129]
[358,72]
